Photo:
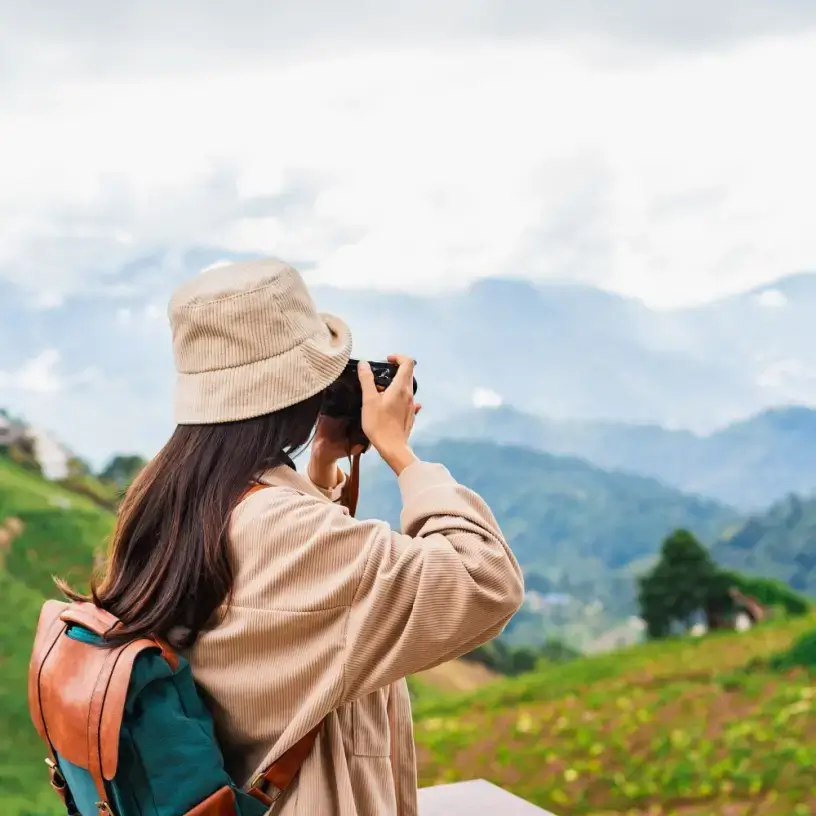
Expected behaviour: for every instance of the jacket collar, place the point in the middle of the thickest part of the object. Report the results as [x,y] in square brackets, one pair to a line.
[285,475]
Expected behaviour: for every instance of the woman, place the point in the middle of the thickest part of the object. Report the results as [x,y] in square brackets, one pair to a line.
[295,616]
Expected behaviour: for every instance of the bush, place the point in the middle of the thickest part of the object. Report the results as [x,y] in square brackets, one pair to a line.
[511,661]
[770,593]
[801,654]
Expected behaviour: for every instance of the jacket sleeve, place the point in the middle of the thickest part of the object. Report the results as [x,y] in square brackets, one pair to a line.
[333,493]
[448,583]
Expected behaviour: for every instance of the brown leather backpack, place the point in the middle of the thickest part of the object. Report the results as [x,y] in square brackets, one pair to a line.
[88,703]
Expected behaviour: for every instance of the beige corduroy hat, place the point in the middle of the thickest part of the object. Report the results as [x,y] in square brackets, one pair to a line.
[247,340]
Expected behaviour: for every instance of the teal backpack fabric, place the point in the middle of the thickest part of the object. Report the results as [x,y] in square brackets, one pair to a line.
[169,759]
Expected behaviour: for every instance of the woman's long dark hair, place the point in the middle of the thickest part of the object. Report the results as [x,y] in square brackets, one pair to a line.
[169,570]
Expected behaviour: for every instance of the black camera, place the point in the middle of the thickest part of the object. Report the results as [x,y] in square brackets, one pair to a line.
[343,399]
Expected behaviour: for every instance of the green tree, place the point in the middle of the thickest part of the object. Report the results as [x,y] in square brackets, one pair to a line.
[77,468]
[122,470]
[678,586]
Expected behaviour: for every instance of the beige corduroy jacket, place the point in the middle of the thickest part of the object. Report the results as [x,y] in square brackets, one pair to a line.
[329,614]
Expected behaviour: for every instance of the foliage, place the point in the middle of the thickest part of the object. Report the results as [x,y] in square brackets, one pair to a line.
[672,726]
[513,660]
[61,532]
[23,452]
[769,592]
[105,495]
[77,467]
[678,586]
[801,654]
[122,470]
[686,581]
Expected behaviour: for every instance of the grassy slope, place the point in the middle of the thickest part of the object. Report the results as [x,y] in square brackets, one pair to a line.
[456,675]
[61,532]
[676,727]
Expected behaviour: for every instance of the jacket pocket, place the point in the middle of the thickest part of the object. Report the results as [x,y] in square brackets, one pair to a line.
[369,717]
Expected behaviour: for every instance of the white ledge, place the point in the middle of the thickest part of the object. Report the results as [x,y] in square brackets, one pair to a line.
[475,798]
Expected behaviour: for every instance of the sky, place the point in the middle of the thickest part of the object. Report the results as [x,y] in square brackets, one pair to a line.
[660,150]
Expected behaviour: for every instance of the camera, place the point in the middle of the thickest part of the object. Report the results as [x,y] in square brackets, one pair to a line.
[343,399]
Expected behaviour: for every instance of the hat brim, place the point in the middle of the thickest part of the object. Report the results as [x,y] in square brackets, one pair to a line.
[264,386]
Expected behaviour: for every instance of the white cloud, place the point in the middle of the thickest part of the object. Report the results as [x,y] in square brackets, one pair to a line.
[790,381]
[772,299]
[124,316]
[486,398]
[38,375]
[41,375]
[431,168]
[153,312]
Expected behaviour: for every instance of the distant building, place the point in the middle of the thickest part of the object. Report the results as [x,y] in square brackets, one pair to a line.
[51,454]
[743,622]
[10,431]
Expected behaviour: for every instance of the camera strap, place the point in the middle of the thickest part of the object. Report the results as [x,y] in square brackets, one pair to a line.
[351,489]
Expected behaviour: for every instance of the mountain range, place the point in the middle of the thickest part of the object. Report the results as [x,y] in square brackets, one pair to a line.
[563,351]
[779,543]
[568,351]
[749,464]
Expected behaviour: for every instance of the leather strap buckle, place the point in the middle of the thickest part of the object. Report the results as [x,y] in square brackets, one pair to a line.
[257,790]
[56,774]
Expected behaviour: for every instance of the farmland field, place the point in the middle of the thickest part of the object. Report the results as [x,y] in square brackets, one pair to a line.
[682,727]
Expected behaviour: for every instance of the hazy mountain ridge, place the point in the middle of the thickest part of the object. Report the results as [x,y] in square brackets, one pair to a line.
[748,464]
[560,350]
[573,351]
[780,543]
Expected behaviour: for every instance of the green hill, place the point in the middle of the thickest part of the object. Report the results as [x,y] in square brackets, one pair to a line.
[580,533]
[688,726]
[780,543]
[60,532]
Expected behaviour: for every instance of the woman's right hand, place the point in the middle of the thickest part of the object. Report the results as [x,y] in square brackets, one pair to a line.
[388,416]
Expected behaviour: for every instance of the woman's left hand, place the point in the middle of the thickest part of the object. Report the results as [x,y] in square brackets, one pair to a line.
[330,444]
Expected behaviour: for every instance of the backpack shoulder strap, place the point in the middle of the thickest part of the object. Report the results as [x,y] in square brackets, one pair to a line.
[77,691]
[280,773]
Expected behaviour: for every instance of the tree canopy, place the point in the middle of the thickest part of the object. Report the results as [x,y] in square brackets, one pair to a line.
[122,469]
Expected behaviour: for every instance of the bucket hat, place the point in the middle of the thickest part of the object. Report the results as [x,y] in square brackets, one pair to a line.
[248,340]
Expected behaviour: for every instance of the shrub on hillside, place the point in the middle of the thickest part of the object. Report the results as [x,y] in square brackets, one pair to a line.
[512,661]
[106,496]
[770,593]
[801,654]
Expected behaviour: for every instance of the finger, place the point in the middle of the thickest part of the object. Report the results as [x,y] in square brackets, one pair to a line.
[417,409]
[366,377]
[405,370]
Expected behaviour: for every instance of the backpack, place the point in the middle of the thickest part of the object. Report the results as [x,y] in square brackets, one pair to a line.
[126,729]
